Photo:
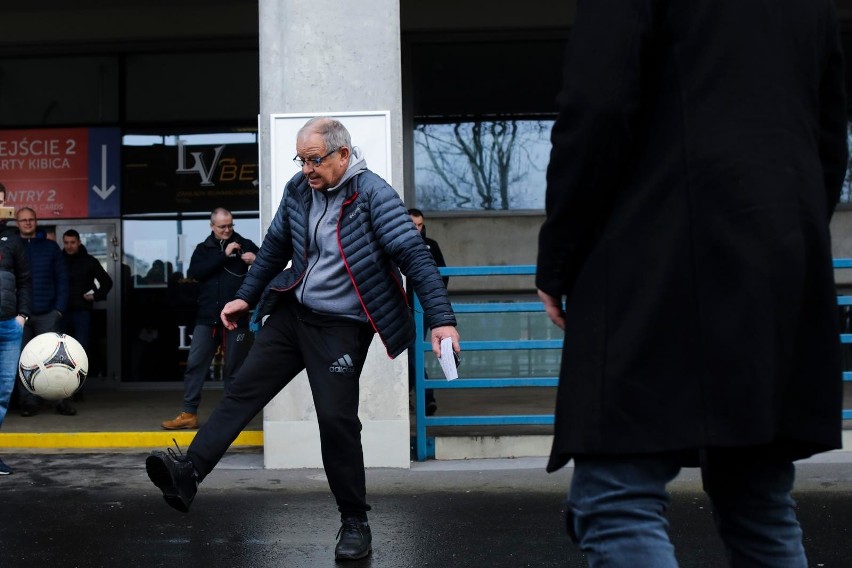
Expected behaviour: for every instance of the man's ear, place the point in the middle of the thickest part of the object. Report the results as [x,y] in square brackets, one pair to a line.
[344,152]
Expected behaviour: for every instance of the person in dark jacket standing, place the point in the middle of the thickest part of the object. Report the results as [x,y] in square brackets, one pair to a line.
[88,283]
[698,155]
[345,231]
[417,218]
[15,308]
[50,296]
[220,264]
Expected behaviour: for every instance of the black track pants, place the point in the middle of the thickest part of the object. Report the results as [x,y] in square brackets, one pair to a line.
[332,350]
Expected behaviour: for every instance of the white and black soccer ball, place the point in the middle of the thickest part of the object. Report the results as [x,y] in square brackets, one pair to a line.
[53,366]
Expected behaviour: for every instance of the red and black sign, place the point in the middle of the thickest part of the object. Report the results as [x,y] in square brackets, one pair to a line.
[62,173]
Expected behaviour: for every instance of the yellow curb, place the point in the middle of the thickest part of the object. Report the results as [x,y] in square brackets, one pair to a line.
[64,440]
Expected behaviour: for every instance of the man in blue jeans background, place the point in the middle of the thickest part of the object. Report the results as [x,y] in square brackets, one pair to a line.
[15,301]
[698,154]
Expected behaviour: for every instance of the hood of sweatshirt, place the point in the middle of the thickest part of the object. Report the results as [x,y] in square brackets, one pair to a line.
[326,287]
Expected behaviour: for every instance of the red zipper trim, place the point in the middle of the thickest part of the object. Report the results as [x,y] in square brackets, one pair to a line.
[349,271]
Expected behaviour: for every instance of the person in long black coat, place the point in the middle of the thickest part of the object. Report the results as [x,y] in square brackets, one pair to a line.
[698,155]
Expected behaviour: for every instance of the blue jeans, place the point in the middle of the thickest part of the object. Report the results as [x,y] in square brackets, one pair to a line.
[616,508]
[77,324]
[10,352]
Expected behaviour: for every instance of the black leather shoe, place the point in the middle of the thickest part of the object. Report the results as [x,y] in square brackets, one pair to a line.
[175,476]
[356,540]
[65,409]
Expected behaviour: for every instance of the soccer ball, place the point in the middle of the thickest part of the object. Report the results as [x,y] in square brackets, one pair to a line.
[53,366]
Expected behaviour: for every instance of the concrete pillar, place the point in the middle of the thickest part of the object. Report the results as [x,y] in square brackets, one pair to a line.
[321,57]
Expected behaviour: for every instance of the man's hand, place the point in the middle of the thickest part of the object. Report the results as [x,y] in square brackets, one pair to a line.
[248,258]
[232,312]
[440,333]
[553,307]
[232,248]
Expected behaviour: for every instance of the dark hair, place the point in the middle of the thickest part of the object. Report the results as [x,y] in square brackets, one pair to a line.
[415,212]
[2,188]
[71,233]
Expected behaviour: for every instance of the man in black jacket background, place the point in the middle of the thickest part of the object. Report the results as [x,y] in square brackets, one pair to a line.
[219,264]
[417,218]
[88,283]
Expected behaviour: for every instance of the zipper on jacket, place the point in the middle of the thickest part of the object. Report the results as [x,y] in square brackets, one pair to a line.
[319,252]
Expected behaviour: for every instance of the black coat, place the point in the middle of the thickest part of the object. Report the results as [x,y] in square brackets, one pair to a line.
[697,157]
[433,247]
[219,275]
[83,271]
[15,277]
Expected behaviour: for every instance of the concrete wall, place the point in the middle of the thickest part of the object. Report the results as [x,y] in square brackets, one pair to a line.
[487,241]
[500,241]
[322,57]
[841,244]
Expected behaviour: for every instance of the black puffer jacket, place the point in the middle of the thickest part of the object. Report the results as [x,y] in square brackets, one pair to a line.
[376,239]
[220,276]
[15,277]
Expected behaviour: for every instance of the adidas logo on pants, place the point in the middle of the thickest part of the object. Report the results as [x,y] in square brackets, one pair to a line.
[342,365]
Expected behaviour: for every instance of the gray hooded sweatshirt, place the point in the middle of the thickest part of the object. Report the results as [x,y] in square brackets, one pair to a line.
[326,287]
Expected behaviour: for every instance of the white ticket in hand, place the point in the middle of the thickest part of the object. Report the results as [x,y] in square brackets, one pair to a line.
[447,360]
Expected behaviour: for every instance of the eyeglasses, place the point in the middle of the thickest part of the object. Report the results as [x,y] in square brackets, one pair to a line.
[315,162]
[224,227]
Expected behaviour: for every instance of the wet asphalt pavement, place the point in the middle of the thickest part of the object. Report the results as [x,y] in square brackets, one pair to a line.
[100,510]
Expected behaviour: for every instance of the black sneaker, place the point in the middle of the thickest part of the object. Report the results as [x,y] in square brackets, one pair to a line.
[174,474]
[29,410]
[355,540]
[5,469]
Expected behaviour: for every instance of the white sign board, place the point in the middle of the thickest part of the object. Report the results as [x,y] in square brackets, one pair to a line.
[370,131]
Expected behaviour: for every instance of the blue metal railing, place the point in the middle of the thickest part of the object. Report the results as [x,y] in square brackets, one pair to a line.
[845,338]
[425,446]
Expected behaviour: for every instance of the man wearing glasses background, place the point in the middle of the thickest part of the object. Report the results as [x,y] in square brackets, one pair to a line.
[327,277]
[49,298]
[219,264]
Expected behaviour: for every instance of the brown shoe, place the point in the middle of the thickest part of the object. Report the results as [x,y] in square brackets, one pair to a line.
[183,421]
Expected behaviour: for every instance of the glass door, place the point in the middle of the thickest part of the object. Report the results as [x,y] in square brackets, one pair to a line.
[101,239]
[160,298]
